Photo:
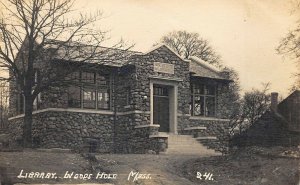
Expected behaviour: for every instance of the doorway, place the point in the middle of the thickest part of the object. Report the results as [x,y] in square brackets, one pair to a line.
[161,110]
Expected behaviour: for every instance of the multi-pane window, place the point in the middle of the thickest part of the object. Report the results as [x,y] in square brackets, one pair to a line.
[203,100]
[91,91]
[160,91]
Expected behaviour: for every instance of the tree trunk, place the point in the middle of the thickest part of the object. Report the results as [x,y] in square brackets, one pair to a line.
[27,128]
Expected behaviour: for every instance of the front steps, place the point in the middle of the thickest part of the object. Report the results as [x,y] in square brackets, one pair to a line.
[201,134]
[187,145]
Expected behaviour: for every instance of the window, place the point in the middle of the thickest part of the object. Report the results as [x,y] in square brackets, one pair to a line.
[91,92]
[21,104]
[203,100]
[127,95]
[74,99]
[89,98]
[160,91]
[37,102]
[103,99]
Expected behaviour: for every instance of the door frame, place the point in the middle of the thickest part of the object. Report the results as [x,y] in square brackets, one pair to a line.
[173,91]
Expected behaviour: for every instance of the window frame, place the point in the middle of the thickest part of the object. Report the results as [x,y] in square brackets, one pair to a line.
[205,95]
[94,85]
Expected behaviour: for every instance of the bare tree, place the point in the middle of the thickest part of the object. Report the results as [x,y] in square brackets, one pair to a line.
[290,44]
[296,84]
[191,44]
[4,94]
[253,105]
[231,95]
[38,33]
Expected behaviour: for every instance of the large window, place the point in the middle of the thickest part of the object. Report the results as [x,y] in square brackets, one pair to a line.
[91,91]
[203,100]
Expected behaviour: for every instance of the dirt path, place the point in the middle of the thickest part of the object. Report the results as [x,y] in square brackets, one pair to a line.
[163,169]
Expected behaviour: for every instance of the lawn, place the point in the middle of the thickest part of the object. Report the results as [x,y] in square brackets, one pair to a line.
[249,166]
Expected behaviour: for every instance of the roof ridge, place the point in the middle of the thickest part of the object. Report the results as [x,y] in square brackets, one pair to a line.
[169,48]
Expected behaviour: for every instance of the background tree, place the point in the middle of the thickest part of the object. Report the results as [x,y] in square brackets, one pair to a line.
[231,96]
[188,44]
[253,105]
[38,33]
[290,44]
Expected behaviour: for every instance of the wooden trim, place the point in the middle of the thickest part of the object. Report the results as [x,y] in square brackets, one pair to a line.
[92,111]
[172,79]
[144,126]
[207,118]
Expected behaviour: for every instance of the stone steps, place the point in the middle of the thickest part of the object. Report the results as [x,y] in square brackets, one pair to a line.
[187,145]
[204,137]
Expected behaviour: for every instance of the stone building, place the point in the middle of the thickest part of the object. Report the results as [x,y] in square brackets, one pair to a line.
[131,105]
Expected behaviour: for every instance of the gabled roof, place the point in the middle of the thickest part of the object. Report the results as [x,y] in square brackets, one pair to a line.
[107,56]
[112,56]
[200,68]
[164,45]
[292,97]
[118,57]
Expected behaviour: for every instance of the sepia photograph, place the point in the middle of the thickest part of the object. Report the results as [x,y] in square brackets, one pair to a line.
[150,92]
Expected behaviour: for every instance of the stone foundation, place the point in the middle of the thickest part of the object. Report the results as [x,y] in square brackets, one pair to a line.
[90,132]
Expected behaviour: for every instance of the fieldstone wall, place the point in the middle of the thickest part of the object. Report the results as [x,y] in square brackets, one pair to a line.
[144,143]
[89,132]
[130,139]
[144,72]
[71,130]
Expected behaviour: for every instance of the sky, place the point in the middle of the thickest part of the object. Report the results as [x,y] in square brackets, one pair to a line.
[244,32]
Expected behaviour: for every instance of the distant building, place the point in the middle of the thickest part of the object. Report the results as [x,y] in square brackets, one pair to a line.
[278,126]
[289,108]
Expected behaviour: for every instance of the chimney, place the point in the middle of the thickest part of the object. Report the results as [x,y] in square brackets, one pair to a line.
[274,101]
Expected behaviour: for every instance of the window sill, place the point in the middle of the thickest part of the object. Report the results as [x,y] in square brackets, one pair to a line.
[207,118]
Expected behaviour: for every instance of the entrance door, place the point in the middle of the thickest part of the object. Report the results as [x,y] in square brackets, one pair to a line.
[161,107]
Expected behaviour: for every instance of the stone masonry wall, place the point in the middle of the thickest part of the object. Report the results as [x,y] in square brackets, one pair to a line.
[144,71]
[72,130]
[81,131]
